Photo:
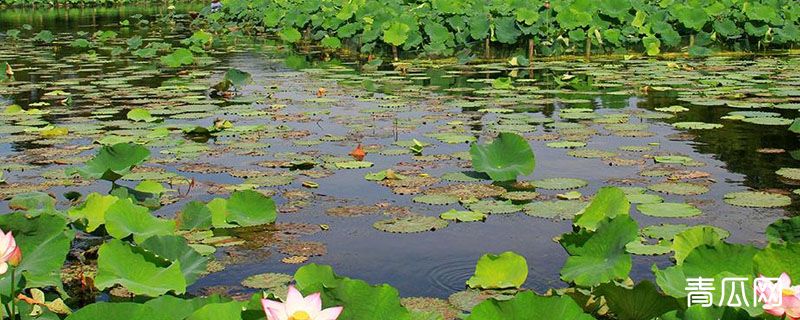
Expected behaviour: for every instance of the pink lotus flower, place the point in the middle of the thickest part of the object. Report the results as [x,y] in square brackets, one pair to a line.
[9,252]
[789,300]
[297,307]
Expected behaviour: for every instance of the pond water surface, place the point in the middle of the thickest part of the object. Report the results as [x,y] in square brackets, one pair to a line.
[378,109]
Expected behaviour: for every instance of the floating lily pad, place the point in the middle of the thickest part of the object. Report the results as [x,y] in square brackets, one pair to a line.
[494,207]
[679,188]
[669,210]
[644,198]
[467,191]
[769,121]
[520,195]
[757,199]
[267,280]
[465,176]
[463,216]
[789,173]
[591,153]
[687,161]
[566,144]
[560,183]
[640,248]
[436,199]
[696,125]
[561,209]
[410,224]
[353,164]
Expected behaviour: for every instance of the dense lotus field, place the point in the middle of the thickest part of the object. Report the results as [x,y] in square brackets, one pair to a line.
[155,170]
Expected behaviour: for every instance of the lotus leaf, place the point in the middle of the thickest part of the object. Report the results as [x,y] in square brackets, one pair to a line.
[758,199]
[112,162]
[505,270]
[505,158]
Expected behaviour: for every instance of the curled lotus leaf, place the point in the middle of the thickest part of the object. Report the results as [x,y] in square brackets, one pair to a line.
[505,158]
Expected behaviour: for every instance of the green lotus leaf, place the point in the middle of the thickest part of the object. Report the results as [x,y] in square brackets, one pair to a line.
[679,188]
[789,173]
[112,162]
[44,241]
[560,183]
[696,125]
[267,280]
[218,311]
[178,58]
[141,115]
[757,199]
[45,36]
[238,78]
[123,218]
[33,203]
[608,203]
[505,158]
[250,208]
[353,164]
[152,187]
[562,209]
[94,210]
[777,258]
[494,206]
[139,271]
[360,300]
[669,210]
[566,144]
[123,310]
[396,33]
[194,215]
[176,248]
[505,270]
[787,230]
[675,159]
[644,198]
[410,224]
[463,216]
[436,199]
[529,306]
[769,121]
[641,248]
[641,302]
[600,256]
[685,241]
[712,312]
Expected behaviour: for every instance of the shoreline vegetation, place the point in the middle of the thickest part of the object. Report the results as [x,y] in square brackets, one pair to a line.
[524,30]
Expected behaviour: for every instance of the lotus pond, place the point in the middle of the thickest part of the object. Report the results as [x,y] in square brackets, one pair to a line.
[144,158]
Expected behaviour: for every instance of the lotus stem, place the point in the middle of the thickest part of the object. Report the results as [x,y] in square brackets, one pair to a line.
[13,314]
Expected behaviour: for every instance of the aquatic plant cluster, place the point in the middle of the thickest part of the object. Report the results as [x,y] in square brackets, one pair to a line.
[155,259]
[56,3]
[556,27]
[123,198]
